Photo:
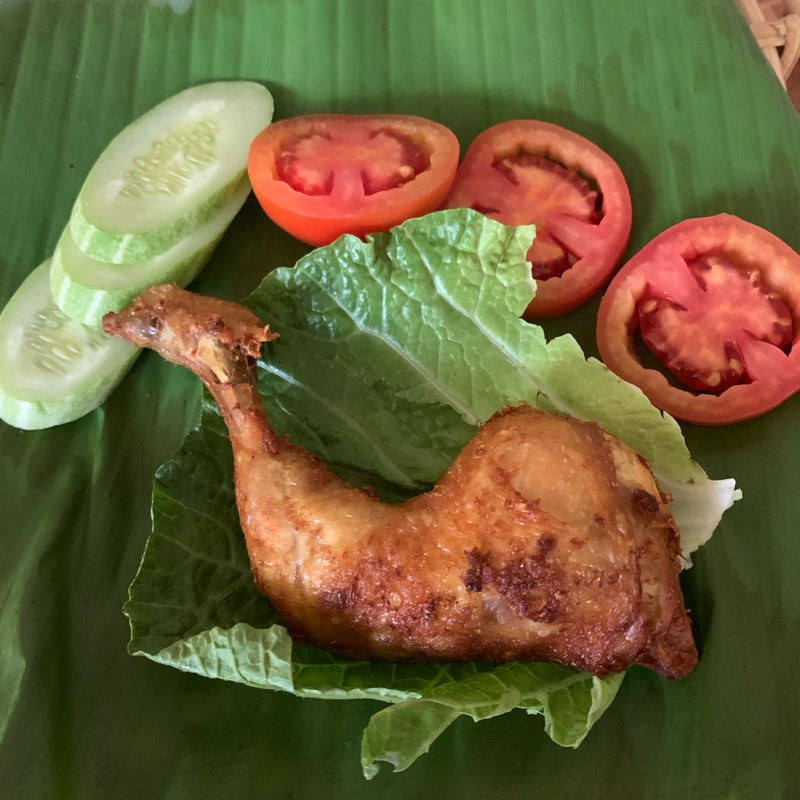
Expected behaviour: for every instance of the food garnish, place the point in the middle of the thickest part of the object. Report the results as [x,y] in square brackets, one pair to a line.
[324,175]
[153,208]
[85,289]
[525,172]
[169,171]
[52,369]
[716,301]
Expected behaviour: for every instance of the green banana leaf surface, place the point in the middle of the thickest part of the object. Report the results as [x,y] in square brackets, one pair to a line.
[680,95]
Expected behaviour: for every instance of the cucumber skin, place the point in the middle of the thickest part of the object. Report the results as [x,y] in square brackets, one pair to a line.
[87,303]
[118,247]
[87,306]
[134,248]
[30,415]
[34,414]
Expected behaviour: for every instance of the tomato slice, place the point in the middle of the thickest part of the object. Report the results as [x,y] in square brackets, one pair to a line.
[717,301]
[524,171]
[323,175]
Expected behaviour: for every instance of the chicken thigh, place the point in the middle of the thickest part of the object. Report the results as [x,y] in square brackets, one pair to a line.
[547,539]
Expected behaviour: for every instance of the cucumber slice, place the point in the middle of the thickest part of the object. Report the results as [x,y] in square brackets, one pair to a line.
[169,171]
[52,369]
[85,289]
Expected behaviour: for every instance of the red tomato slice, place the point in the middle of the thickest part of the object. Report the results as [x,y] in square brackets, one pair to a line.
[523,172]
[717,301]
[324,175]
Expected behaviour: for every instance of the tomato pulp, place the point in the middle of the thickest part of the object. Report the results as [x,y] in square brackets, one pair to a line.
[323,175]
[524,171]
[717,301]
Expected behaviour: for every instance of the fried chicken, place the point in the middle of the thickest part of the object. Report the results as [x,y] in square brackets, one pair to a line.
[547,539]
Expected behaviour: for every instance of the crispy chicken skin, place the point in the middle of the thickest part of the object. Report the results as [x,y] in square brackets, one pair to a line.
[547,539]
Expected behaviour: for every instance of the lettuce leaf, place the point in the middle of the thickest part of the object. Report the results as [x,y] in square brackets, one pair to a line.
[391,351]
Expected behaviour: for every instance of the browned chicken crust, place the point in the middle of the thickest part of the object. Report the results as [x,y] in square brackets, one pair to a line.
[547,539]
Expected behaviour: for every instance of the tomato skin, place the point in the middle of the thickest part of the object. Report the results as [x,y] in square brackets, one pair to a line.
[602,245]
[318,219]
[777,375]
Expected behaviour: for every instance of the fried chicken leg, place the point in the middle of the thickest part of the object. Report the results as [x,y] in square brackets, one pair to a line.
[547,539]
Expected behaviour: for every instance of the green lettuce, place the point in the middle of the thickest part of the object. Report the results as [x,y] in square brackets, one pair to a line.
[391,351]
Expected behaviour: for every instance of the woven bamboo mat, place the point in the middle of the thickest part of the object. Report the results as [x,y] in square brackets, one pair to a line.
[776,26]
